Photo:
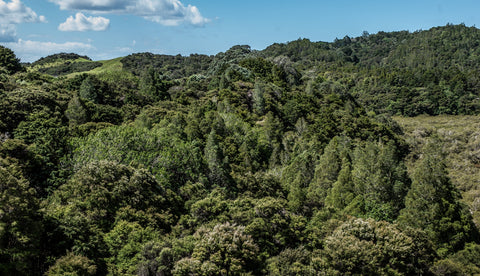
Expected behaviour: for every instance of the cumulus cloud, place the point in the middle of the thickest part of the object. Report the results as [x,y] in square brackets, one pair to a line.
[83,23]
[15,12]
[8,33]
[33,50]
[165,12]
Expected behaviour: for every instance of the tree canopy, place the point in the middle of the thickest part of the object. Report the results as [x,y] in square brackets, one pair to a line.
[282,161]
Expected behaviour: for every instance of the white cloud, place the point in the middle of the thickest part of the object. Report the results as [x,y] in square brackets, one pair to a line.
[82,23]
[8,33]
[33,50]
[93,5]
[15,12]
[165,12]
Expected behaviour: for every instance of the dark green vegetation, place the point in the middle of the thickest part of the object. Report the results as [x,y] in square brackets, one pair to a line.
[284,161]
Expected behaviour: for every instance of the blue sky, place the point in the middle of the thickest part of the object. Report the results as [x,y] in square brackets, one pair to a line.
[105,29]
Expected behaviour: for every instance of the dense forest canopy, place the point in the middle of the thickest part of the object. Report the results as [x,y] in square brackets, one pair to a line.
[284,161]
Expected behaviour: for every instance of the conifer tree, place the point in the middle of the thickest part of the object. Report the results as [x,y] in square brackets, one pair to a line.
[327,171]
[433,204]
[342,192]
[218,169]
[87,89]
[76,112]
[380,180]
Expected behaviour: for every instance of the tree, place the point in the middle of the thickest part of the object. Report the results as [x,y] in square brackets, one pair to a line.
[125,242]
[327,171]
[433,204]
[296,178]
[47,136]
[258,98]
[76,112]
[9,61]
[87,90]
[72,265]
[168,157]
[154,86]
[224,250]
[380,181]
[20,224]
[291,261]
[274,227]
[342,192]
[102,192]
[218,168]
[158,257]
[368,247]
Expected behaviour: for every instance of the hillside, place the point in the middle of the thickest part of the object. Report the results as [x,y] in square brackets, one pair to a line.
[458,137]
[284,161]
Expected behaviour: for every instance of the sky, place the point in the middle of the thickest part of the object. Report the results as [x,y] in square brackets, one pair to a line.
[106,29]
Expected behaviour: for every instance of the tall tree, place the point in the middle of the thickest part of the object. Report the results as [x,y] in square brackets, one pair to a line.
[433,204]
[20,226]
[327,171]
[87,90]
[380,180]
[218,168]
[9,61]
[76,112]
[153,85]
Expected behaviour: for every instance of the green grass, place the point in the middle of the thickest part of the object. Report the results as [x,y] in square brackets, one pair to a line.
[109,66]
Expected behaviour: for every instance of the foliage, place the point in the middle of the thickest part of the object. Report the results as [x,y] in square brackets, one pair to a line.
[172,160]
[100,194]
[432,204]
[376,248]
[60,56]
[176,66]
[20,227]
[225,249]
[8,61]
[69,68]
[72,265]
[283,161]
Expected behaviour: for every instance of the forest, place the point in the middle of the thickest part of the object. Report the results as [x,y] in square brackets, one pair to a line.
[359,156]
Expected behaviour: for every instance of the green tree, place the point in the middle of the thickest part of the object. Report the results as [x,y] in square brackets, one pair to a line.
[9,61]
[296,178]
[433,204]
[100,193]
[274,227]
[47,136]
[218,167]
[258,98]
[223,250]
[154,86]
[380,181]
[87,90]
[125,242]
[291,261]
[327,170]
[76,112]
[158,257]
[342,192]
[20,223]
[368,247]
[172,160]
[72,265]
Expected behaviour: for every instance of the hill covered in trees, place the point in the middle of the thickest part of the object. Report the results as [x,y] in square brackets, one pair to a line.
[284,161]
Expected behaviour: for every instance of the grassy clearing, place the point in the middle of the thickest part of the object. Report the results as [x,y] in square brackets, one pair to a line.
[112,65]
